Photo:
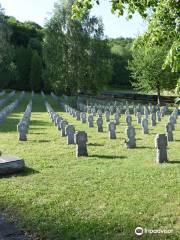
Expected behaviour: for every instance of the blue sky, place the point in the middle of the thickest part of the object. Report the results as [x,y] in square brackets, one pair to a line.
[39,10]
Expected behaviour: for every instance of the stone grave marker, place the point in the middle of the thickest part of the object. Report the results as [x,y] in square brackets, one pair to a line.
[70,131]
[153,119]
[78,117]
[107,116]
[64,123]
[22,129]
[144,125]
[158,113]
[116,118]
[130,140]
[169,131]
[83,117]
[138,116]
[90,121]
[99,123]
[161,146]
[128,120]
[11,164]
[112,130]
[80,139]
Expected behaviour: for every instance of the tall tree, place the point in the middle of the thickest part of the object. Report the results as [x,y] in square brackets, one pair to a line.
[146,69]
[75,57]
[7,66]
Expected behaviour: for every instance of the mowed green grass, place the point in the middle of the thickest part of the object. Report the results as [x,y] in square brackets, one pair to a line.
[104,196]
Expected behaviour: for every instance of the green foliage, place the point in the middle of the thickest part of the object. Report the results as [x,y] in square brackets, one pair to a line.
[36,72]
[6,52]
[120,55]
[164,17]
[23,62]
[18,42]
[76,58]
[147,71]
[25,33]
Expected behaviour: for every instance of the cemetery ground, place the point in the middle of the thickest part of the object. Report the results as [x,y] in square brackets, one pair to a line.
[103,196]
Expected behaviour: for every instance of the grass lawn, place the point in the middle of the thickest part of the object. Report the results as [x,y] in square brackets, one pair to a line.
[104,196]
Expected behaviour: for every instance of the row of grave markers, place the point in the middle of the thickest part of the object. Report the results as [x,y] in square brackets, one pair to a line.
[120,107]
[130,130]
[6,99]
[130,140]
[8,109]
[73,137]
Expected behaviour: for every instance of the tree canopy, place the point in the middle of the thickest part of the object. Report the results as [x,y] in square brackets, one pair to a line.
[164,22]
[120,56]
[146,68]
[76,57]
[18,42]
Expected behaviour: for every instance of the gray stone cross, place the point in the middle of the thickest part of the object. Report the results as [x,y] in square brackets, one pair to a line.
[64,123]
[153,119]
[161,146]
[83,117]
[128,120]
[169,131]
[112,130]
[99,123]
[70,131]
[80,139]
[144,125]
[130,140]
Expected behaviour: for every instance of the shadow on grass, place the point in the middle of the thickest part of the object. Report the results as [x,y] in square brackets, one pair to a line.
[174,162]
[37,133]
[95,144]
[107,156]
[44,141]
[26,172]
[10,124]
[144,147]
[36,128]
[74,228]
[39,123]
[40,141]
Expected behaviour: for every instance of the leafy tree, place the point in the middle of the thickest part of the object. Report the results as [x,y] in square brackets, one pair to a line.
[24,33]
[36,72]
[75,56]
[18,41]
[120,55]
[146,68]
[7,66]
[164,17]
[23,62]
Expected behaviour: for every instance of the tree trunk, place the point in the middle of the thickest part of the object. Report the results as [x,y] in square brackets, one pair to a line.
[158,94]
